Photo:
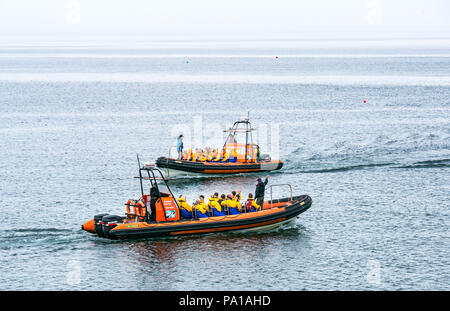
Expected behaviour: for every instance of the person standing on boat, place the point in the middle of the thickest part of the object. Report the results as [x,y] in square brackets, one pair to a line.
[154,196]
[180,146]
[260,189]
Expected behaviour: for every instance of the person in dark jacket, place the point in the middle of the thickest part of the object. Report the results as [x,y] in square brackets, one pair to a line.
[154,196]
[259,192]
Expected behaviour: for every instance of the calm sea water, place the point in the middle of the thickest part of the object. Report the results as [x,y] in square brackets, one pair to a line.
[73,118]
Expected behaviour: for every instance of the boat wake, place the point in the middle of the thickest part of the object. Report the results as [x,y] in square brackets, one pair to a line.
[428,164]
[17,238]
[413,151]
[347,168]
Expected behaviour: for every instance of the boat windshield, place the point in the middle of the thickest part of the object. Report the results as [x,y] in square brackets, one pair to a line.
[231,139]
[163,188]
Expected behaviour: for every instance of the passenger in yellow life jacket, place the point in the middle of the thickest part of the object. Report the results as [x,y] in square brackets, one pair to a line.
[214,206]
[189,155]
[237,198]
[232,204]
[202,202]
[200,209]
[202,157]
[196,156]
[237,195]
[213,155]
[234,157]
[211,199]
[185,208]
[222,200]
[224,155]
[205,153]
[216,156]
[185,155]
[251,205]
[210,156]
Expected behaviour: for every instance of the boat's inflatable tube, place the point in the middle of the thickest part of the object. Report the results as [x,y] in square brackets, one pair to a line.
[274,212]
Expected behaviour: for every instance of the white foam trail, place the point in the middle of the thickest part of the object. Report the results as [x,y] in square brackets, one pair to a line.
[396,80]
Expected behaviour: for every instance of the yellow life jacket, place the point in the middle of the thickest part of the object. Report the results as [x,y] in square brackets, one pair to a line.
[225,156]
[237,204]
[213,203]
[231,202]
[209,156]
[217,156]
[184,205]
[203,204]
[200,207]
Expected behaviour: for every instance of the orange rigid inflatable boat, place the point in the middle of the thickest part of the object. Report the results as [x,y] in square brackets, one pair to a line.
[138,223]
[234,158]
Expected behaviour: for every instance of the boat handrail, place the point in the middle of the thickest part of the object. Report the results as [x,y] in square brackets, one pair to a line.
[167,159]
[271,186]
[239,130]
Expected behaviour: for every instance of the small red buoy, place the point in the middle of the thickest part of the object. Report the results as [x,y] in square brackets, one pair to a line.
[276,57]
[365,101]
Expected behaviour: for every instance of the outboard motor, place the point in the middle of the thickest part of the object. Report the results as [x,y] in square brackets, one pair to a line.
[109,222]
[98,224]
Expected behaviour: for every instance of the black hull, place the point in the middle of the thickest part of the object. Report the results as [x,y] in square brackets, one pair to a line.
[216,168]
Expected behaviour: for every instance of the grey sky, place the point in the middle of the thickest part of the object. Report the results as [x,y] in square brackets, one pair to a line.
[178,17]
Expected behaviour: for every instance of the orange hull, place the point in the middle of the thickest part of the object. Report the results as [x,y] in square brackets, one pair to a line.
[280,211]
